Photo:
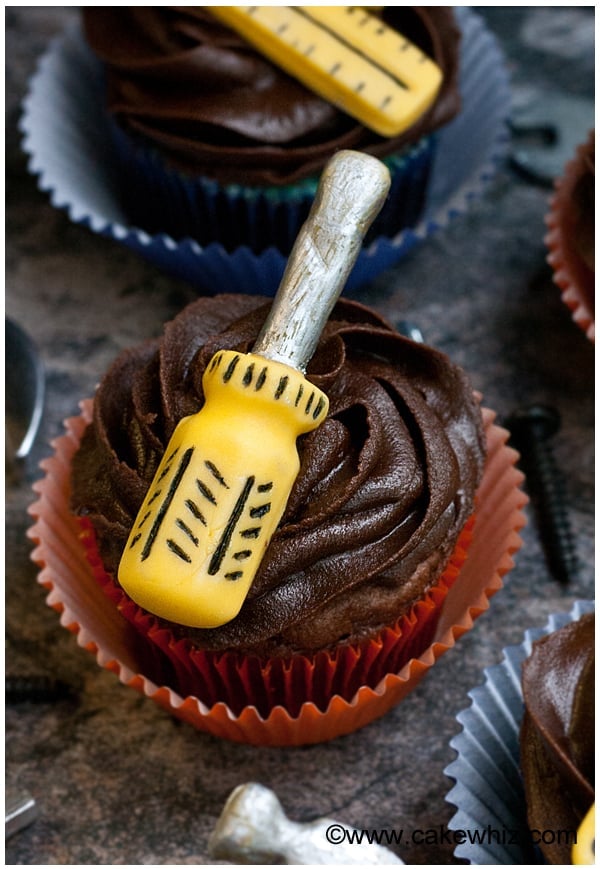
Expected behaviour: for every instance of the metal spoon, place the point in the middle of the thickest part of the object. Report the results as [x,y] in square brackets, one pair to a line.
[25,387]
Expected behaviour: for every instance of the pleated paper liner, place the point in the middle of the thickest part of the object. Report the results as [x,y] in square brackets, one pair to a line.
[570,273]
[89,612]
[488,791]
[241,680]
[158,198]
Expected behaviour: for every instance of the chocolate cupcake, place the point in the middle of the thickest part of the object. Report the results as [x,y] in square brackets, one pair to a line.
[524,767]
[70,140]
[217,144]
[558,734]
[386,484]
[362,585]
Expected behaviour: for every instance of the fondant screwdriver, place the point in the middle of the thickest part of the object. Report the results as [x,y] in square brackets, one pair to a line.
[227,472]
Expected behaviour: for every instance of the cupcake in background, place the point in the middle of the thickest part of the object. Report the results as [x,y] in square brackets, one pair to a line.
[216,143]
[571,237]
[525,756]
[69,138]
[558,734]
[399,528]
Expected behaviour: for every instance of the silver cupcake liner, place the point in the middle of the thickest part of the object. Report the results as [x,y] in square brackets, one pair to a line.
[488,792]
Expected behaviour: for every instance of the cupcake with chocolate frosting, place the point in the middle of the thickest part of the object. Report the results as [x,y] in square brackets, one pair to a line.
[365,547]
[216,143]
[386,483]
[252,183]
[374,570]
[558,734]
[524,768]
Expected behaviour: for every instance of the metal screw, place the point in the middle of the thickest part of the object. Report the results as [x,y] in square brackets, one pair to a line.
[532,429]
[35,689]
[410,330]
[20,810]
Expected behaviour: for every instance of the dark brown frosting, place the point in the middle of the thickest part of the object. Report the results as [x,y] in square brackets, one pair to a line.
[385,485]
[214,106]
[557,737]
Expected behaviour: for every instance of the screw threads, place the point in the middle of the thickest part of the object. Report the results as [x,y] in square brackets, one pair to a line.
[531,429]
[548,495]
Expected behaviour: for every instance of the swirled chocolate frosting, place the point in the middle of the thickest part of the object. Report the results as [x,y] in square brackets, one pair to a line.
[557,735]
[385,484]
[215,106]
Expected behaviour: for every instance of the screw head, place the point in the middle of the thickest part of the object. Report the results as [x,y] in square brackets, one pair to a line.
[410,330]
[538,420]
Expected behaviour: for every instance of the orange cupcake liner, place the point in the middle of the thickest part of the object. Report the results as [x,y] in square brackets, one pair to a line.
[340,700]
[574,278]
[241,680]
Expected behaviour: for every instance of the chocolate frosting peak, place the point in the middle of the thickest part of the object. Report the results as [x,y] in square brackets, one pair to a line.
[214,105]
[385,484]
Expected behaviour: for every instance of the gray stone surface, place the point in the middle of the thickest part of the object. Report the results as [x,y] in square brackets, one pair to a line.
[117,780]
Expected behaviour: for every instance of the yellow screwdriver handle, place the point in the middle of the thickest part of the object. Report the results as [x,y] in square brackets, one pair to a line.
[223,483]
[206,522]
[346,55]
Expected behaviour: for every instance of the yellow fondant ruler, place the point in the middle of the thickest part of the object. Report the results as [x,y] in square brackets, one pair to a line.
[346,55]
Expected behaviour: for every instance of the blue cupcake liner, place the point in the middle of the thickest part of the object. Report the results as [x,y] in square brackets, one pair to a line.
[67,138]
[488,793]
[159,198]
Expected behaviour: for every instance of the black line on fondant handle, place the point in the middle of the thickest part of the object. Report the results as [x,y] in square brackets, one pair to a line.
[221,550]
[216,473]
[162,511]
[181,553]
[194,510]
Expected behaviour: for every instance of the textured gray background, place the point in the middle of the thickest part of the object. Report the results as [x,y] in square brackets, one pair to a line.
[117,780]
